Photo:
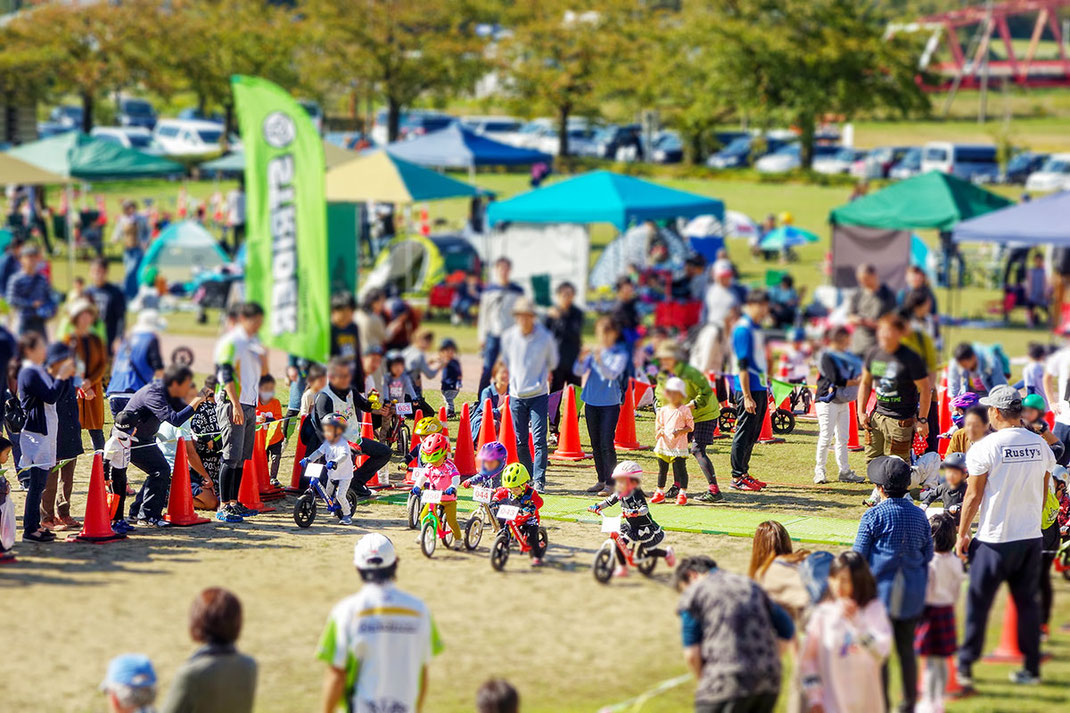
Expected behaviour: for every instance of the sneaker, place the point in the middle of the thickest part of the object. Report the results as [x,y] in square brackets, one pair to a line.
[672,491]
[158,522]
[713,495]
[620,572]
[1024,678]
[605,492]
[760,483]
[536,561]
[51,524]
[965,678]
[657,497]
[39,536]
[681,498]
[670,556]
[820,479]
[71,523]
[540,488]
[849,476]
[551,440]
[276,484]
[239,509]
[362,491]
[225,514]
[745,484]
[347,520]
[596,488]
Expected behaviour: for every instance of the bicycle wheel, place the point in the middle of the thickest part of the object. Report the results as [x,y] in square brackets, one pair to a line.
[783,421]
[544,539]
[305,510]
[412,512]
[727,420]
[602,567]
[403,441]
[646,563]
[428,538]
[499,551]
[473,532]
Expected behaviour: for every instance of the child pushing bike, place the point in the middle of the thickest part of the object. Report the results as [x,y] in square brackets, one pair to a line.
[636,525]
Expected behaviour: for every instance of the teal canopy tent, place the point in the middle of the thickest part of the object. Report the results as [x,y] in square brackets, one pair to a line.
[78,155]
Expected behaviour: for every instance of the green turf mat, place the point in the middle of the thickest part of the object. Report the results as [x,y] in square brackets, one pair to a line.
[711,520]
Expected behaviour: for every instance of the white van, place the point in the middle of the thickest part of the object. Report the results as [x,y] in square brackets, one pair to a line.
[971,162]
[188,137]
[1054,175]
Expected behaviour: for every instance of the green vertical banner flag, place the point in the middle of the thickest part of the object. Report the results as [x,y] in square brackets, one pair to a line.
[286,218]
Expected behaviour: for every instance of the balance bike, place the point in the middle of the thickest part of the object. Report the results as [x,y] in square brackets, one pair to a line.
[634,554]
[433,525]
[510,518]
[482,517]
[305,507]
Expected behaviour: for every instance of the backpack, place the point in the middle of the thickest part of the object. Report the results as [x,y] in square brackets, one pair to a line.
[842,394]
[14,416]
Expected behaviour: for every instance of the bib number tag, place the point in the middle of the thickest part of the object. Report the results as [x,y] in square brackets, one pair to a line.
[482,495]
[314,470]
[508,512]
[431,497]
[403,409]
[611,524]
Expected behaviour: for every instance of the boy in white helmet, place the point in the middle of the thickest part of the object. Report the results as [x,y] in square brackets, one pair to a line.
[379,640]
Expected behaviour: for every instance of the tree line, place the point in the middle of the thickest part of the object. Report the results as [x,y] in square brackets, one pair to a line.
[697,63]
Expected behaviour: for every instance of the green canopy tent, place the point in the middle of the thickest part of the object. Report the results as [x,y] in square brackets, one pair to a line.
[78,155]
[877,228]
[182,252]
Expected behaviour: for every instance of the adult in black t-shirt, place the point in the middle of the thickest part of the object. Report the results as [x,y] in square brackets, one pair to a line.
[345,336]
[899,378]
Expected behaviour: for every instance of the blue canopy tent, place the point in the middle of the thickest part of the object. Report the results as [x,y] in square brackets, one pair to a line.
[1042,221]
[458,147]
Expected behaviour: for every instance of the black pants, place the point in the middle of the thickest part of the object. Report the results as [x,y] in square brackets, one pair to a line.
[152,498]
[118,487]
[1016,563]
[1050,544]
[933,439]
[378,456]
[758,703]
[748,428]
[1062,432]
[601,427]
[559,379]
[903,634]
[96,437]
[531,533]
[37,479]
[679,472]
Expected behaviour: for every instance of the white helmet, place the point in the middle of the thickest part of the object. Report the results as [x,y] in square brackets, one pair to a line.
[374,551]
[628,469]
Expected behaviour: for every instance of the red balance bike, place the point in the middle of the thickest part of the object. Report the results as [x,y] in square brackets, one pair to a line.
[510,520]
[634,554]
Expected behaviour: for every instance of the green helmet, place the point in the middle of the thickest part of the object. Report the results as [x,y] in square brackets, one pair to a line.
[1035,401]
[515,475]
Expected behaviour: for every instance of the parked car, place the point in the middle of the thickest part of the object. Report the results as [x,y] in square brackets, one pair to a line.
[132,137]
[839,162]
[67,115]
[1054,175]
[137,112]
[971,162]
[789,157]
[195,113]
[739,153]
[499,128]
[1022,166]
[410,125]
[618,143]
[52,128]
[580,138]
[527,136]
[666,148]
[879,162]
[908,166]
[315,112]
[189,137]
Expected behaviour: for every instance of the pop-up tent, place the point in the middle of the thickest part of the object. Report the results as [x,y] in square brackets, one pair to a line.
[877,228]
[381,177]
[181,252]
[16,172]
[77,155]
[458,147]
[413,264]
[234,163]
[1042,221]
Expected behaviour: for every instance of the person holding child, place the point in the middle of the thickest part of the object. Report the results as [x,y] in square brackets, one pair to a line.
[672,426]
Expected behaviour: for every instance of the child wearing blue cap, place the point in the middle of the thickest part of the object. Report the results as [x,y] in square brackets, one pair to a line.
[130,684]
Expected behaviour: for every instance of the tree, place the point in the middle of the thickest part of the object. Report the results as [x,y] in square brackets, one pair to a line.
[795,60]
[563,56]
[402,50]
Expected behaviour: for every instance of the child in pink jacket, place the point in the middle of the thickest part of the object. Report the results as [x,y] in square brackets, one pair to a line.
[672,423]
[437,472]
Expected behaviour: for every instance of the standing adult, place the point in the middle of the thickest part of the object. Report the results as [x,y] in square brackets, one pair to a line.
[916,312]
[495,316]
[838,375]
[721,306]
[870,301]
[110,301]
[8,350]
[975,368]
[901,382]
[30,294]
[137,361]
[132,230]
[705,410]
[345,335]
[91,362]
[565,322]
[369,318]
[896,541]
[379,642]
[39,390]
[236,214]
[240,360]
[730,635]
[217,678]
[163,399]
[1009,475]
[601,368]
[9,262]
[530,353]
[1057,386]
[750,391]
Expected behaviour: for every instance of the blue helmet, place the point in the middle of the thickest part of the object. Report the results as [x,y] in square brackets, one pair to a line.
[492,450]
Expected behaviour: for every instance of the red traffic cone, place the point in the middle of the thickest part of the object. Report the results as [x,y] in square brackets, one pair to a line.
[640,388]
[249,489]
[953,687]
[1008,651]
[507,437]
[531,443]
[1049,418]
[624,437]
[367,432]
[852,430]
[260,465]
[299,453]
[766,436]
[442,418]
[486,426]
[944,407]
[568,446]
[180,502]
[96,525]
[464,457]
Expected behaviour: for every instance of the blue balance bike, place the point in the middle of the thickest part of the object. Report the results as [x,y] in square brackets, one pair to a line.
[305,507]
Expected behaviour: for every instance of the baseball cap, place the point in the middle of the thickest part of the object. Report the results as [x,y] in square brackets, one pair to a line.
[1035,401]
[676,384]
[1003,396]
[722,267]
[57,352]
[954,460]
[374,551]
[133,670]
[889,472]
[523,306]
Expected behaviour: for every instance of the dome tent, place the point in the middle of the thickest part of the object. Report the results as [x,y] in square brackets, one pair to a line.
[632,248]
[181,252]
[413,264]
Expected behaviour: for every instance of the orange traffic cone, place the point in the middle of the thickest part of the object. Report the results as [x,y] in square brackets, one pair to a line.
[766,436]
[944,407]
[260,465]
[624,437]
[568,446]
[180,502]
[954,688]
[96,525]
[531,444]
[1049,418]
[852,430]
[507,436]
[249,489]
[442,418]
[299,453]
[640,387]
[464,457]
[486,426]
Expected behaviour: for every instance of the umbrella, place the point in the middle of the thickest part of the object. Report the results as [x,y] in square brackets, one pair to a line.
[786,236]
[737,225]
